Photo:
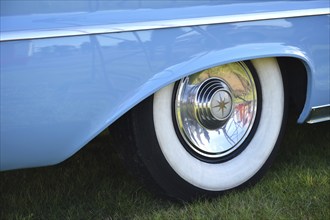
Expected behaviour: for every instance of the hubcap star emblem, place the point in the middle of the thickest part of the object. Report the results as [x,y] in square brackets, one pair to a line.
[221,105]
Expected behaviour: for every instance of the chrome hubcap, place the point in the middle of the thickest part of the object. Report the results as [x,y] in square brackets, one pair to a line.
[212,103]
[215,110]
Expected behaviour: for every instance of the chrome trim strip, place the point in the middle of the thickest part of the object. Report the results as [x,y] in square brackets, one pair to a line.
[319,114]
[148,25]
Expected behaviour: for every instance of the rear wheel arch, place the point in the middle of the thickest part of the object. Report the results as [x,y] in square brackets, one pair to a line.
[294,71]
[153,155]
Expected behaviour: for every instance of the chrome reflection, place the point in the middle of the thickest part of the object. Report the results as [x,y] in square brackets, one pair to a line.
[216,108]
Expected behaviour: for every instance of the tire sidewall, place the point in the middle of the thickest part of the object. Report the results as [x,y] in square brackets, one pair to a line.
[215,177]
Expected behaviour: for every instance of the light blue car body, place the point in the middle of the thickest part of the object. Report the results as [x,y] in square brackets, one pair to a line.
[71,68]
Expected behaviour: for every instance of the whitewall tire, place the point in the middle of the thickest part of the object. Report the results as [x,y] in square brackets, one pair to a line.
[211,132]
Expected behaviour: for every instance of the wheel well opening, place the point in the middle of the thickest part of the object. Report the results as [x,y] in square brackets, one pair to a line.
[295,75]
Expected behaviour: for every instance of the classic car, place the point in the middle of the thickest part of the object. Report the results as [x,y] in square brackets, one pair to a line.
[196,92]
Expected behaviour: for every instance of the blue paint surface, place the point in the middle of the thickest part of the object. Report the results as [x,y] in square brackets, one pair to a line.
[59,93]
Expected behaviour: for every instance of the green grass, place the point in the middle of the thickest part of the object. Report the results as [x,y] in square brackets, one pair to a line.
[94,185]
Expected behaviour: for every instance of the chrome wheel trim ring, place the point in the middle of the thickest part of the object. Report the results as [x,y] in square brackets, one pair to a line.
[215,111]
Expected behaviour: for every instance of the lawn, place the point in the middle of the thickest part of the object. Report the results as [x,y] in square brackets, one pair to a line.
[93,184]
